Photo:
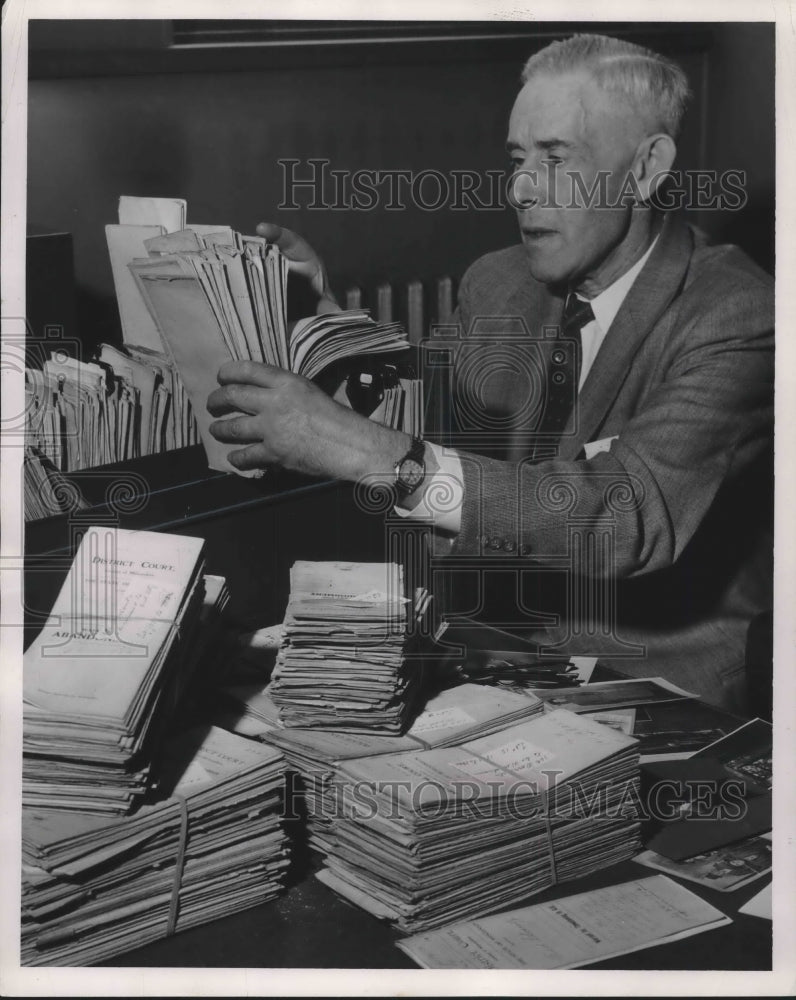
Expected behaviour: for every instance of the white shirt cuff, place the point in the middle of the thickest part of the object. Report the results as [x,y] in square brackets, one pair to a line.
[442,498]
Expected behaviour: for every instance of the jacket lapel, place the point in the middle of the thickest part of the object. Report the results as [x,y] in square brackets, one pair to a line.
[647,300]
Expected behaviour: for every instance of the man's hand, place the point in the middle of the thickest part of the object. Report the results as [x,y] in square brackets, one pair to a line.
[284,419]
[302,260]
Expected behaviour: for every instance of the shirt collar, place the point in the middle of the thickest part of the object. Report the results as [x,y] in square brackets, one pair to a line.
[607,304]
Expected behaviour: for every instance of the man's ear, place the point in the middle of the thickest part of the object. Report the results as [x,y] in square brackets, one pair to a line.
[654,158]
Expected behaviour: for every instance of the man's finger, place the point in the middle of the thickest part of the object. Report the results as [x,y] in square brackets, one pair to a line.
[235,429]
[291,244]
[303,260]
[251,373]
[236,399]
[253,457]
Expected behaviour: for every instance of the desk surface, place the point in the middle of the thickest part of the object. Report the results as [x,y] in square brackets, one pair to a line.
[310,927]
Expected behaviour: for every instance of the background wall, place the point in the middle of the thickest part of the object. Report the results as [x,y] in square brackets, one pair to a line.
[214,137]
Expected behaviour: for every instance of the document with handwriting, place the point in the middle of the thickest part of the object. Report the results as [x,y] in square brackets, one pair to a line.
[570,932]
[116,614]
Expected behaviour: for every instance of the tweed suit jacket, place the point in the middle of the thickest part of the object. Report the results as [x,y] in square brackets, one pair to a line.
[658,549]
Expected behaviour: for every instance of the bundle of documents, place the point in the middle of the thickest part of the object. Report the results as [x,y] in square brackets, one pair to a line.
[207,295]
[103,678]
[424,838]
[402,407]
[115,408]
[164,414]
[450,717]
[571,932]
[46,491]
[345,661]
[209,845]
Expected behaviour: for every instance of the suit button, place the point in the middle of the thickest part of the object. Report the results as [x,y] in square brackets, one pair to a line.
[525,549]
[509,545]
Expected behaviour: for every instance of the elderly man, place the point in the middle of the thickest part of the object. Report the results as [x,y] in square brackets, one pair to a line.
[659,475]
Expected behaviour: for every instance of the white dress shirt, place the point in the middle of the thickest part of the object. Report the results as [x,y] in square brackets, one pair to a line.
[442,499]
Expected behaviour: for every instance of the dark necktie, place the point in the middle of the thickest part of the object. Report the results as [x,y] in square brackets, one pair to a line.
[563,371]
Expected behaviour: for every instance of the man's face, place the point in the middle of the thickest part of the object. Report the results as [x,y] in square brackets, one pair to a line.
[563,132]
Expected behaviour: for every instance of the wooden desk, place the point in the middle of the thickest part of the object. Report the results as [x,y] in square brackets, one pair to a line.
[254,533]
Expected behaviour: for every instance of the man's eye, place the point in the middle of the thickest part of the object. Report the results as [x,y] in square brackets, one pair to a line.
[553,160]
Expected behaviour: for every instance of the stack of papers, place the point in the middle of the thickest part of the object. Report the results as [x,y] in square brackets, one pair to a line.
[319,341]
[46,491]
[401,407]
[191,297]
[345,661]
[103,678]
[164,414]
[210,845]
[571,932]
[424,838]
[207,295]
[450,717]
[122,405]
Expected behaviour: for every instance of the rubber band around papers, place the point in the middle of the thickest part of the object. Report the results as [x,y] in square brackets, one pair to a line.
[179,866]
[545,795]
[63,934]
[551,850]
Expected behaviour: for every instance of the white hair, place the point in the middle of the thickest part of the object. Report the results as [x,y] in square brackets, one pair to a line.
[655,86]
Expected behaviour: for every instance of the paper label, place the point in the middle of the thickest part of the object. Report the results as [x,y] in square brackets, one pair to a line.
[520,755]
[194,774]
[441,718]
[478,768]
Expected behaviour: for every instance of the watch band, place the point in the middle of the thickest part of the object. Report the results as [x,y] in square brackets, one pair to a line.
[411,470]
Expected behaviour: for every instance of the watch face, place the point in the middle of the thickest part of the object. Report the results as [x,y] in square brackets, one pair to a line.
[410,474]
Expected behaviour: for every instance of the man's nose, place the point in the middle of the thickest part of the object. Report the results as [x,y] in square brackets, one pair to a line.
[524,188]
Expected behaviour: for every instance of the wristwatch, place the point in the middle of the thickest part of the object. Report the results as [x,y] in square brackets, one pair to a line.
[411,470]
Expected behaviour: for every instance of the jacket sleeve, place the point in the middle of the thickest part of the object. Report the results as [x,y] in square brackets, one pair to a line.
[701,426]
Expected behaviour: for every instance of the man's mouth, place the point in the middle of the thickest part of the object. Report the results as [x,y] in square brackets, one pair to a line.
[536,232]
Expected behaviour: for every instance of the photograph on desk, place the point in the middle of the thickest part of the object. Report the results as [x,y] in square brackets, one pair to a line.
[393,483]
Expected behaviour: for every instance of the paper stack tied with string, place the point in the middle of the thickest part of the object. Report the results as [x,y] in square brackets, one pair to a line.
[345,661]
[425,838]
[102,679]
[448,718]
[210,844]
